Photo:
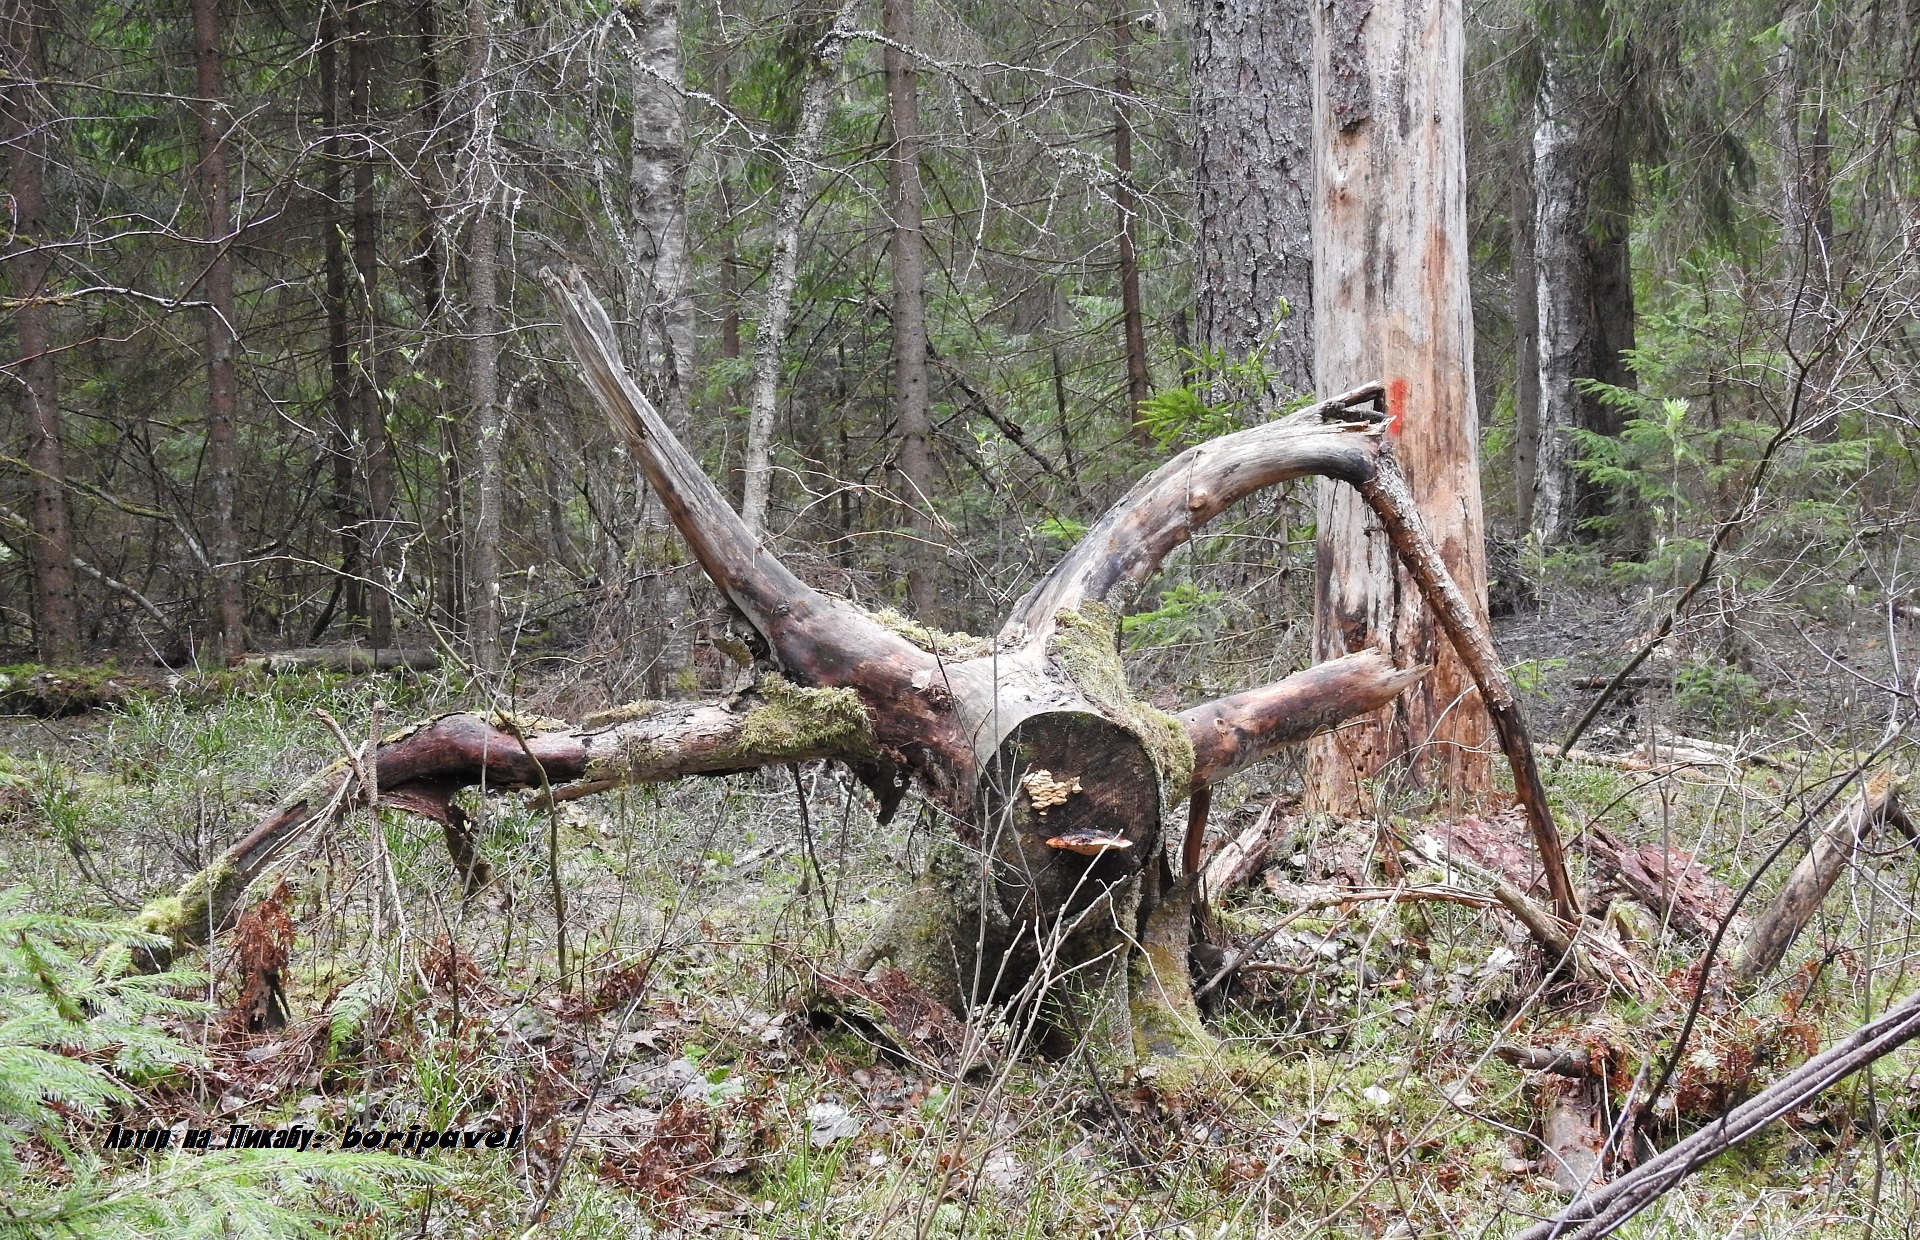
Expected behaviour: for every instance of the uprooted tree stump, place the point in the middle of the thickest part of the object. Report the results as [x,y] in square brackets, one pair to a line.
[1054,776]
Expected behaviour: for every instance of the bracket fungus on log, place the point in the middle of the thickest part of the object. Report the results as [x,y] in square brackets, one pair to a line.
[1055,775]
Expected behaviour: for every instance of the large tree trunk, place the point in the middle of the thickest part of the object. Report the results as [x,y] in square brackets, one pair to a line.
[483,351]
[1253,189]
[659,295]
[56,618]
[223,542]
[1032,743]
[783,268]
[1581,284]
[1390,281]
[912,423]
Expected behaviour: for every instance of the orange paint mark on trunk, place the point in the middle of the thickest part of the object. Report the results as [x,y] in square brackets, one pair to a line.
[1397,389]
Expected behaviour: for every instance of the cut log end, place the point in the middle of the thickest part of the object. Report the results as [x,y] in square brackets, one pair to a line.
[1076,777]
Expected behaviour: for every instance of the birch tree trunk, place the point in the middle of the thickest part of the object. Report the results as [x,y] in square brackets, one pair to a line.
[1582,288]
[483,381]
[223,542]
[1390,282]
[912,422]
[56,619]
[783,269]
[1252,77]
[659,293]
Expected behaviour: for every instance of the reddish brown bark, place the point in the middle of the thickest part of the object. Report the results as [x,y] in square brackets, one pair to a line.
[1232,733]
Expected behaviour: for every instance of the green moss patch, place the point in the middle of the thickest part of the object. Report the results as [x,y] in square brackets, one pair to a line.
[1083,644]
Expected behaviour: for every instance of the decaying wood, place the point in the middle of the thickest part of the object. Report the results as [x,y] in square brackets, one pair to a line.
[1605,1209]
[348,660]
[1043,757]
[1670,881]
[1875,807]
[1238,860]
[1233,733]
[1315,899]
[1386,493]
[1573,1129]
[421,768]
[1560,1062]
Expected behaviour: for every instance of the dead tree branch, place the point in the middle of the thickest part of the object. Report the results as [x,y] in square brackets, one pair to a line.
[1604,1210]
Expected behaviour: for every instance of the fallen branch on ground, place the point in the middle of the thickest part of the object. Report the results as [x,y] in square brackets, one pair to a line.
[1604,1210]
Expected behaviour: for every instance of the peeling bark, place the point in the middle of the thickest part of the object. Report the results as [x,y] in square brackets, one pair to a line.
[1391,301]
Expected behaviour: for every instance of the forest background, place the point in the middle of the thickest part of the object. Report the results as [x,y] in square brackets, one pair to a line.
[926,288]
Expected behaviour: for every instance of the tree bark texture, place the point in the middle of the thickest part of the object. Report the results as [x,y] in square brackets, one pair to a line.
[56,619]
[783,266]
[483,351]
[1526,338]
[1390,282]
[912,421]
[228,612]
[659,296]
[1581,283]
[1252,84]
[1812,280]
[369,418]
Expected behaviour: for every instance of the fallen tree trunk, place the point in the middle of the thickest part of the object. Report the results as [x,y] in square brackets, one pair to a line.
[420,769]
[1047,764]
[1876,806]
[1605,1209]
[346,660]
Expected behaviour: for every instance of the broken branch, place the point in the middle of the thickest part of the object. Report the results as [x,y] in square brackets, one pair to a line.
[1605,1209]
[1774,931]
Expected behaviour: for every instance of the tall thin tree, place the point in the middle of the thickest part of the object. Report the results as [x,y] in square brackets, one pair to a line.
[56,618]
[483,349]
[821,73]
[341,436]
[659,291]
[912,419]
[376,446]
[1126,201]
[223,541]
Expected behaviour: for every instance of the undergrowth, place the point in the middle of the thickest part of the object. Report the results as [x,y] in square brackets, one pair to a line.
[683,1074]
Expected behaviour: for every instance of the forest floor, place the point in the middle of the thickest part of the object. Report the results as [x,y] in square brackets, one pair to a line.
[646,993]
